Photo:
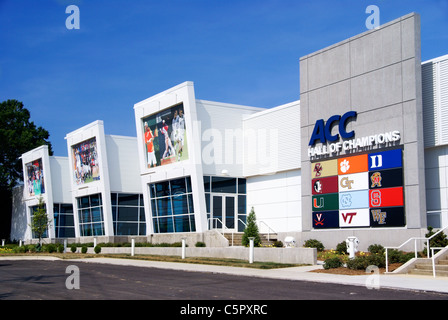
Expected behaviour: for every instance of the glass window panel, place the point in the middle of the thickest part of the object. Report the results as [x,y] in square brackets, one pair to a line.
[98,229]
[69,221]
[178,186]
[97,214]
[83,202]
[128,199]
[180,205]
[223,185]
[164,206]
[153,208]
[162,189]
[207,202]
[56,209]
[156,225]
[206,183]
[188,180]
[114,213]
[182,223]
[142,230]
[142,214]
[85,216]
[95,200]
[242,204]
[66,208]
[190,203]
[113,199]
[126,228]
[152,191]
[230,212]
[166,225]
[241,185]
[128,214]
[192,223]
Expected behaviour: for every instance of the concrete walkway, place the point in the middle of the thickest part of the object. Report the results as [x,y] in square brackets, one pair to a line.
[372,281]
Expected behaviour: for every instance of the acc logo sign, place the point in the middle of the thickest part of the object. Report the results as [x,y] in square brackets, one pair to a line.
[322,130]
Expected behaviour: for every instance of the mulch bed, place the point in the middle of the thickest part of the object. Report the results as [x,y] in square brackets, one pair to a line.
[350,272]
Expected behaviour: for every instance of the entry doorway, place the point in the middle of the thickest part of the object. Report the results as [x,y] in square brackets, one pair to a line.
[224,211]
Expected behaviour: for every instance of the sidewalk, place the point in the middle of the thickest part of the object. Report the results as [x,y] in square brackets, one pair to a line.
[390,281]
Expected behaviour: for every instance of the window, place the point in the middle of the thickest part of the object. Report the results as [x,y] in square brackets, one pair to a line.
[63,220]
[128,214]
[90,214]
[172,206]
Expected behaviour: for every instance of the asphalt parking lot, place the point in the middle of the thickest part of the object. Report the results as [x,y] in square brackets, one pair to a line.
[55,280]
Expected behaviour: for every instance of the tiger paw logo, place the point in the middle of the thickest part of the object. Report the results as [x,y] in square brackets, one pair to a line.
[345,166]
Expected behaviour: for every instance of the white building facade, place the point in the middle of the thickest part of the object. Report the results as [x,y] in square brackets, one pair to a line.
[364,152]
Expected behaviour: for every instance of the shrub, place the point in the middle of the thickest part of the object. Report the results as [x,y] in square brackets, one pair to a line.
[312,243]
[376,249]
[358,263]
[50,248]
[97,249]
[73,248]
[341,248]
[60,248]
[200,244]
[330,263]
[84,249]
[278,244]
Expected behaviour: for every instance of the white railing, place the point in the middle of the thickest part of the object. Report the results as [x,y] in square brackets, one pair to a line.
[213,222]
[269,229]
[415,239]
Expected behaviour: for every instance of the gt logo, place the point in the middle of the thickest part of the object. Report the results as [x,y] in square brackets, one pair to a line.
[375,198]
[345,183]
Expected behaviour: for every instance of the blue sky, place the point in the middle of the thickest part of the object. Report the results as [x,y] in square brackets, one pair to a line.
[236,51]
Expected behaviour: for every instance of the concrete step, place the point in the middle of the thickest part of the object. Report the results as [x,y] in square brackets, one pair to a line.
[426,269]
[238,237]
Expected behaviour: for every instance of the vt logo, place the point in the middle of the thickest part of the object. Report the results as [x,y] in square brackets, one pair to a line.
[348,215]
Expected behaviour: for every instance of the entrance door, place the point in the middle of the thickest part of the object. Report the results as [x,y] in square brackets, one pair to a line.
[223,211]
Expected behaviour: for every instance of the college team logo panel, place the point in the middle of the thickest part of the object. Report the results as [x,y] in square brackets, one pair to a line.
[359,191]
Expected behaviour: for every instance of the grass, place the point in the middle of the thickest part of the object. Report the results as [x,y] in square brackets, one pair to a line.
[194,260]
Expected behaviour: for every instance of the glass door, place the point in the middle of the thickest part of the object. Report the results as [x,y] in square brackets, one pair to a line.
[223,212]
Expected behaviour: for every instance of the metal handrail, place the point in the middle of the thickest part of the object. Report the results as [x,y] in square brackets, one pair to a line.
[224,227]
[415,246]
[269,229]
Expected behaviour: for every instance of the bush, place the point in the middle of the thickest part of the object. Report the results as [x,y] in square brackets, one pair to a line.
[73,248]
[376,249]
[200,244]
[251,230]
[395,256]
[362,262]
[61,248]
[330,263]
[97,249]
[50,248]
[277,244]
[341,248]
[312,243]
[84,249]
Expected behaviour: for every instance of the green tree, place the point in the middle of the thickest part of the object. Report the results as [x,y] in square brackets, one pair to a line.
[17,135]
[251,230]
[40,222]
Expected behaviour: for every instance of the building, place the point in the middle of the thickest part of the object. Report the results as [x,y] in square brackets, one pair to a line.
[363,153]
